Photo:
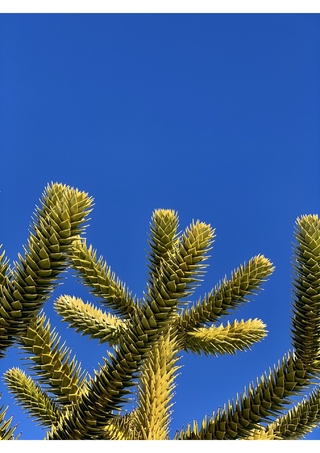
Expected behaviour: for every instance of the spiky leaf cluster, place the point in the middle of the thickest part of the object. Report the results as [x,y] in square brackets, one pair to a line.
[31,397]
[145,336]
[28,285]
[6,428]
[306,281]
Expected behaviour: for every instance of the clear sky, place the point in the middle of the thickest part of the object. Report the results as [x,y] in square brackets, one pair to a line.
[215,115]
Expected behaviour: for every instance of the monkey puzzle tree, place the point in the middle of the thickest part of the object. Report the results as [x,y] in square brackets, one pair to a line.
[144,337]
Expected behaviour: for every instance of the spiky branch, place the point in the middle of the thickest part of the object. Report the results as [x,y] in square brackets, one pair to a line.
[148,334]
[30,283]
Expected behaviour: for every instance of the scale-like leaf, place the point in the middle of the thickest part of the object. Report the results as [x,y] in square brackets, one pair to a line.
[89,320]
[31,397]
[229,294]
[95,274]
[31,282]
[52,364]
[229,339]
[258,404]
[6,428]
[306,301]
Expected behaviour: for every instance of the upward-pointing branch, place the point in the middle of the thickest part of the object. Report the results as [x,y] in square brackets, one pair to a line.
[24,291]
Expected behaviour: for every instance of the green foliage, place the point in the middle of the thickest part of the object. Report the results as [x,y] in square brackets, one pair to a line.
[6,430]
[26,287]
[145,336]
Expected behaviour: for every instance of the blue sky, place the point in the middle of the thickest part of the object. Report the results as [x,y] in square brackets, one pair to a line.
[213,115]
